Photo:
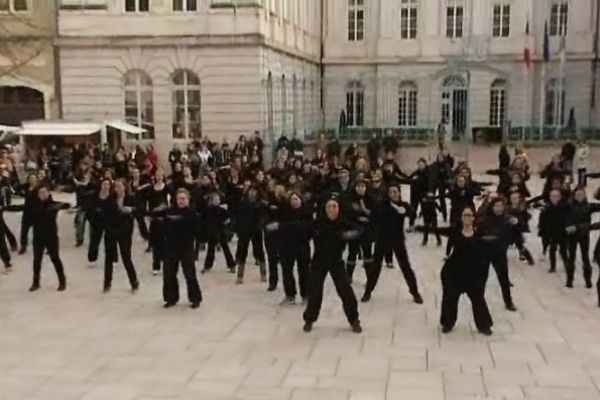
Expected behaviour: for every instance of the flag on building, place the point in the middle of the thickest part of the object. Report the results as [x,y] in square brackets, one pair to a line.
[546,43]
[527,51]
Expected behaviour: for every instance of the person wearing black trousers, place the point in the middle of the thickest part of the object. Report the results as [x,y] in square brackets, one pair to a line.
[465,271]
[277,204]
[181,225]
[84,193]
[496,227]
[553,224]
[580,215]
[29,192]
[429,209]
[442,176]
[295,229]
[158,198]
[138,187]
[43,212]
[332,233]
[4,253]
[119,232]
[389,221]
[99,220]
[419,186]
[249,228]
[362,207]
[518,209]
[217,221]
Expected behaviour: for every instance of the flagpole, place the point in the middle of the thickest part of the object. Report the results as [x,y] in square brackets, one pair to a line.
[525,80]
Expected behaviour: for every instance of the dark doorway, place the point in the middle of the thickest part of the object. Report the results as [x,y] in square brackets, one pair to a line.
[20,103]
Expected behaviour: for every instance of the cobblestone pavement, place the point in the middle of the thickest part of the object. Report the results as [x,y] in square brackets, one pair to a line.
[241,345]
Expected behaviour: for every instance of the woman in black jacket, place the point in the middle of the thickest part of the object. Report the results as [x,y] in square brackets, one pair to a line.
[217,222]
[98,215]
[43,212]
[332,234]
[249,228]
[553,223]
[389,222]
[121,214]
[465,271]
[295,230]
[361,210]
[29,192]
[158,198]
[419,186]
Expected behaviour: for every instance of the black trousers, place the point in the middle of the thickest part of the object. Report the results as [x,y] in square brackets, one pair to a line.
[430,225]
[96,235]
[142,227]
[300,256]
[272,246]
[12,240]
[213,241]
[244,240]
[156,243]
[442,198]
[80,221]
[51,245]
[399,249]
[119,243]
[26,224]
[583,241]
[415,201]
[582,177]
[500,264]
[4,253]
[185,257]
[344,290]
[363,245]
[451,295]
[562,247]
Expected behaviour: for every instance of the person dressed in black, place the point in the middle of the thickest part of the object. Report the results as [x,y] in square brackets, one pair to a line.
[217,222]
[332,233]
[362,206]
[277,204]
[249,228]
[419,186]
[158,197]
[553,229]
[429,209]
[389,222]
[99,220]
[29,192]
[465,271]
[119,234]
[498,228]
[518,209]
[43,212]
[181,224]
[295,229]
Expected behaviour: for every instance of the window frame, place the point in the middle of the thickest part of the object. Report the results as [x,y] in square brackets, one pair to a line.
[184,6]
[498,96]
[137,7]
[141,89]
[11,9]
[501,14]
[553,90]
[407,19]
[455,30]
[355,104]
[559,18]
[355,26]
[187,89]
[408,104]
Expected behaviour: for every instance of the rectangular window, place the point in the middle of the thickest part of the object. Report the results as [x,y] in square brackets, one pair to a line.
[497,106]
[137,5]
[408,19]
[13,5]
[83,5]
[407,107]
[501,20]
[185,5]
[454,21]
[356,20]
[355,104]
[559,18]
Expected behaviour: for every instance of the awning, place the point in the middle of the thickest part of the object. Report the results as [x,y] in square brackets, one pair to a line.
[125,127]
[6,128]
[58,128]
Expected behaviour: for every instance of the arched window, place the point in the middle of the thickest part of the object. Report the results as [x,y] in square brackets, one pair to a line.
[497,103]
[355,95]
[407,104]
[555,103]
[186,105]
[139,104]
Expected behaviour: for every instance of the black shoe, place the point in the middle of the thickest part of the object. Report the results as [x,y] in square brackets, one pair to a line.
[356,328]
[204,270]
[418,299]
[169,304]
[135,286]
[272,288]
[552,270]
[195,305]
[588,285]
[439,244]
[149,249]
[486,332]
[366,298]
[389,266]
[22,251]
[106,289]
[307,327]
[14,248]
[34,287]
[569,285]
[62,287]
[78,244]
[231,270]
[423,243]
[446,329]
[511,307]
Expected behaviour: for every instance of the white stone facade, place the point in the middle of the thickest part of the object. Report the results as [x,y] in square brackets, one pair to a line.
[244,57]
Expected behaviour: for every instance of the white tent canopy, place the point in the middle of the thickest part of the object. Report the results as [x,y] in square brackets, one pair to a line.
[125,127]
[58,128]
[6,128]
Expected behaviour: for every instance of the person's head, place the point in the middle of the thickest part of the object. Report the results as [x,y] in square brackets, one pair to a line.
[297,163]
[135,173]
[361,188]
[120,187]
[421,164]
[205,180]
[252,193]
[344,177]
[497,205]
[236,162]
[394,193]
[515,179]
[41,174]
[360,164]
[183,198]
[376,179]
[579,195]
[105,186]
[468,217]
[32,180]
[260,176]
[187,172]
[556,183]
[555,196]
[295,200]
[515,198]
[43,193]
[292,179]
[461,181]
[332,209]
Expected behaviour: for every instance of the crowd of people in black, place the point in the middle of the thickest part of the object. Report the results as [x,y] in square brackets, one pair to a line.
[305,217]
